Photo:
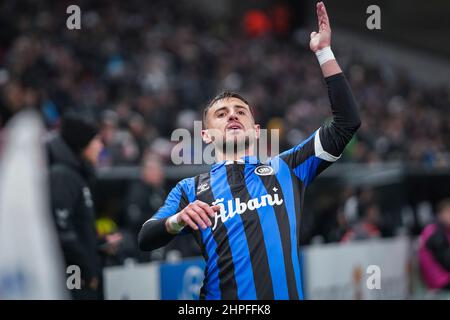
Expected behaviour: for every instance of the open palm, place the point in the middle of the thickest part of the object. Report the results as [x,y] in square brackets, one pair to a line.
[321,39]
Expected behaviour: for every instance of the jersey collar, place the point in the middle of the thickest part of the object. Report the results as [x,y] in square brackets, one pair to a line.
[243,160]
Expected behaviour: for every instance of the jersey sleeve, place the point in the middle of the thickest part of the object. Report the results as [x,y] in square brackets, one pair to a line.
[308,159]
[153,233]
[325,146]
[176,201]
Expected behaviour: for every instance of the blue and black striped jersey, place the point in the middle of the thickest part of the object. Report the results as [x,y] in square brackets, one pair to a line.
[252,248]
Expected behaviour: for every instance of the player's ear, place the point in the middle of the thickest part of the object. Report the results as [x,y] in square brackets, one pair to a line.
[257,130]
[206,137]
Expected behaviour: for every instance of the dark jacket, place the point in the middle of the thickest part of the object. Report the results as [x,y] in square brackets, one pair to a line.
[142,200]
[73,209]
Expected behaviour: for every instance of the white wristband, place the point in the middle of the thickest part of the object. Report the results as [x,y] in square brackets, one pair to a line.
[324,55]
[173,223]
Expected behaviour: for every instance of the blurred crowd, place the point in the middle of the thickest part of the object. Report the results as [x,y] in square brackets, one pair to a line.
[144,69]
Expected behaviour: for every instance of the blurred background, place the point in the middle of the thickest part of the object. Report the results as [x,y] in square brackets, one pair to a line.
[142,69]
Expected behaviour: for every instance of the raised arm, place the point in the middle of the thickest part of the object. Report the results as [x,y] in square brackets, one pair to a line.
[325,146]
[346,120]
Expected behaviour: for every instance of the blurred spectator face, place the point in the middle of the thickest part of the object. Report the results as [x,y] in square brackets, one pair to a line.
[444,214]
[93,149]
[152,172]
[137,126]
[231,121]
[14,96]
[341,219]
[373,214]
[107,131]
[123,110]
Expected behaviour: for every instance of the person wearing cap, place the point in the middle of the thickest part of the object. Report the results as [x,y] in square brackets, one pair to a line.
[72,156]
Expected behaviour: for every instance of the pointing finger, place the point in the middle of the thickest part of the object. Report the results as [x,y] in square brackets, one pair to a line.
[189,222]
[324,15]
[207,208]
[203,214]
[195,216]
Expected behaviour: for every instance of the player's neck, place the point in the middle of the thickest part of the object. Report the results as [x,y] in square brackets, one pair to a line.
[233,156]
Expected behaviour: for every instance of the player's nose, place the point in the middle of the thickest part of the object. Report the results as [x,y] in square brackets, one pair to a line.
[233,116]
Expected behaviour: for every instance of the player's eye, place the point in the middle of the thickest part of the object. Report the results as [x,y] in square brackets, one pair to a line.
[241,113]
[220,114]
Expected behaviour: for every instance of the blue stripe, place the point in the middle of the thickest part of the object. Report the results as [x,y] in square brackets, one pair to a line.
[236,238]
[171,204]
[271,235]
[307,170]
[212,281]
[188,186]
[285,180]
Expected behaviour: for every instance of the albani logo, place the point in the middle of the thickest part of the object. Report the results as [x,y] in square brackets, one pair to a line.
[239,207]
[264,170]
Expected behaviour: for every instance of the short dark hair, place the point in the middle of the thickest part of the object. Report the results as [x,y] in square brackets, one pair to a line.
[78,130]
[224,95]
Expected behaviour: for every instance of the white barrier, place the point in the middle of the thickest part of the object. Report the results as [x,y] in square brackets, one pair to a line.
[132,281]
[331,271]
[343,271]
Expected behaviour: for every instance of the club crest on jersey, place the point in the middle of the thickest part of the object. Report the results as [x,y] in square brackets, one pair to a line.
[202,188]
[264,170]
[235,206]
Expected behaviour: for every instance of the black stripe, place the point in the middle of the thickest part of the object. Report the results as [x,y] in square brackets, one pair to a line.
[298,189]
[227,280]
[271,182]
[322,166]
[299,193]
[197,234]
[205,256]
[203,288]
[183,200]
[254,235]
[296,158]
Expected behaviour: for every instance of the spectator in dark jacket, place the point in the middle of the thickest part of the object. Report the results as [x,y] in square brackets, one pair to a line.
[145,196]
[72,156]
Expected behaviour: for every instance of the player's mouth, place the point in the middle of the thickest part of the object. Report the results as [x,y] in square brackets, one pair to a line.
[234,126]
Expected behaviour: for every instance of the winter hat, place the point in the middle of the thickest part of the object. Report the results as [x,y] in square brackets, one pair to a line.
[77,131]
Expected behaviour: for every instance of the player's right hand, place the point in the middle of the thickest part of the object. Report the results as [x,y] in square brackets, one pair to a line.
[197,214]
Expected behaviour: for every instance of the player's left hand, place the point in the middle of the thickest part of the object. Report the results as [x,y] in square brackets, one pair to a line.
[321,39]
